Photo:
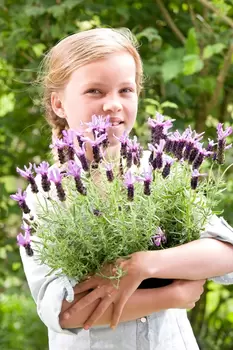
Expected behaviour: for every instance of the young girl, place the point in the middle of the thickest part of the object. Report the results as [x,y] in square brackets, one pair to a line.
[100,72]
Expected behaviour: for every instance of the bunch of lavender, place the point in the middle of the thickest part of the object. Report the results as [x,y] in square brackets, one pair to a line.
[87,214]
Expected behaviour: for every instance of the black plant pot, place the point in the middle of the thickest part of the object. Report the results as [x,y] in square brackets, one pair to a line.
[154,283]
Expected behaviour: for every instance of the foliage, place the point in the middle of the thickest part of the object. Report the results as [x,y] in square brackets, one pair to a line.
[18,317]
[186,48]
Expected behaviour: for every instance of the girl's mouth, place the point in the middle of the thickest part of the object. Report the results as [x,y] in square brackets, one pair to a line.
[114,124]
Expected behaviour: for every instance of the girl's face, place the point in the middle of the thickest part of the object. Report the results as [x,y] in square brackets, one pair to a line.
[104,87]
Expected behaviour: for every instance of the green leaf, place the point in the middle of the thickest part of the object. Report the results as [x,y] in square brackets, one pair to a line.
[211,50]
[169,104]
[192,64]
[171,69]
[150,33]
[191,44]
[38,49]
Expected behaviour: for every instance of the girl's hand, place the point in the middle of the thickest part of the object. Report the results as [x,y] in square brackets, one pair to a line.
[105,289]
[186,293]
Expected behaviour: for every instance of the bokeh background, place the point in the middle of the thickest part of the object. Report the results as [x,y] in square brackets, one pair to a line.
[187,51]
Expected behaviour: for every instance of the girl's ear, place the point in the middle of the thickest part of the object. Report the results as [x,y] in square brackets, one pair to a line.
[57,105]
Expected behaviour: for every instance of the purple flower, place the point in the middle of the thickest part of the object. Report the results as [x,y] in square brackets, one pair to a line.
[79,136]
[27,174]
[129,180]
[81,153]
[42,169]
[167,167]
[25,240]
[109,171]
[159,238]
[20,198]
[195,177]
[58,143]
[68,137]
[74,169]
[55,176]
[97,141]
[124,140]
[159,128]
[134,152]
[200,157]
[157,150]
[146,178]
[96,146]
[223,134]
[98,123]
[222,142]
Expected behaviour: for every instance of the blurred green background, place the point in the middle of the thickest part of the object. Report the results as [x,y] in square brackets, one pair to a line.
[187,51]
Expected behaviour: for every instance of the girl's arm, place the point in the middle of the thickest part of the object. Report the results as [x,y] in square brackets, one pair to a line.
[180,294]
[199,259]
[204,258]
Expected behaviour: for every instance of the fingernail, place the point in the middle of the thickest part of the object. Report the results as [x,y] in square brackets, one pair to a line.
[113,327]
[86,327]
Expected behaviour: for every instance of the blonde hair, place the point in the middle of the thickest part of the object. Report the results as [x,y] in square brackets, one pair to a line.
[75,51]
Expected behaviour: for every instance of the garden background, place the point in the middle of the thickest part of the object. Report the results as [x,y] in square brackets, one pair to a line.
[187,51]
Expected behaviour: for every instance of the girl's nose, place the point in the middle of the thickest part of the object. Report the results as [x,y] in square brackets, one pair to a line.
[112,106]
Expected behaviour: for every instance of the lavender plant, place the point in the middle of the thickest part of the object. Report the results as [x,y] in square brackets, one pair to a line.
[89,214]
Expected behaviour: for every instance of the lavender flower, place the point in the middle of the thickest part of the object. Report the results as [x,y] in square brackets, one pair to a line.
[194,152]
[79,135]
[180,142]
[25,241]
[169,144]
[222,135]
[124,139]
[129,180]
[42,169]
[98,125]
[20,198]
[109,171]
[134,151]
[68,139]
[96,146]
[157,162]
[167,167]
[159,238]
[61,147]
[75,170]
[195,177]
[146,178]
[159,128]
[191,140]
[200,157]
[81,153]
[27,174]
[55,176]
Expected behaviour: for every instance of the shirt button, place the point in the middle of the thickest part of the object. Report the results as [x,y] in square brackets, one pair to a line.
[143,319]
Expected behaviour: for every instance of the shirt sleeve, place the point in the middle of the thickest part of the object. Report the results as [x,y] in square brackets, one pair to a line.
[48,290]
[219,229]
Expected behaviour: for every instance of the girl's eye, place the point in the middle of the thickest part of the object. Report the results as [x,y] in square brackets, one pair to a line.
[93,92]
[126,90]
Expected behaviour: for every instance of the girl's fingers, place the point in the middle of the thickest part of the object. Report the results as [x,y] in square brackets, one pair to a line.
[99,311]
[117,311]
[85,286]
[82,303]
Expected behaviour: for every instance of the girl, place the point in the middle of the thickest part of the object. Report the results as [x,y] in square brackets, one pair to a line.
[100,72]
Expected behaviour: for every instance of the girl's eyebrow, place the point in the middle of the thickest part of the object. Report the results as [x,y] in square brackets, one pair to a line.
[99,83]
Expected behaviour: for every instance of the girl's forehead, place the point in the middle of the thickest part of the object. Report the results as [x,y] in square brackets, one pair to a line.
[118,68]
[116,62]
